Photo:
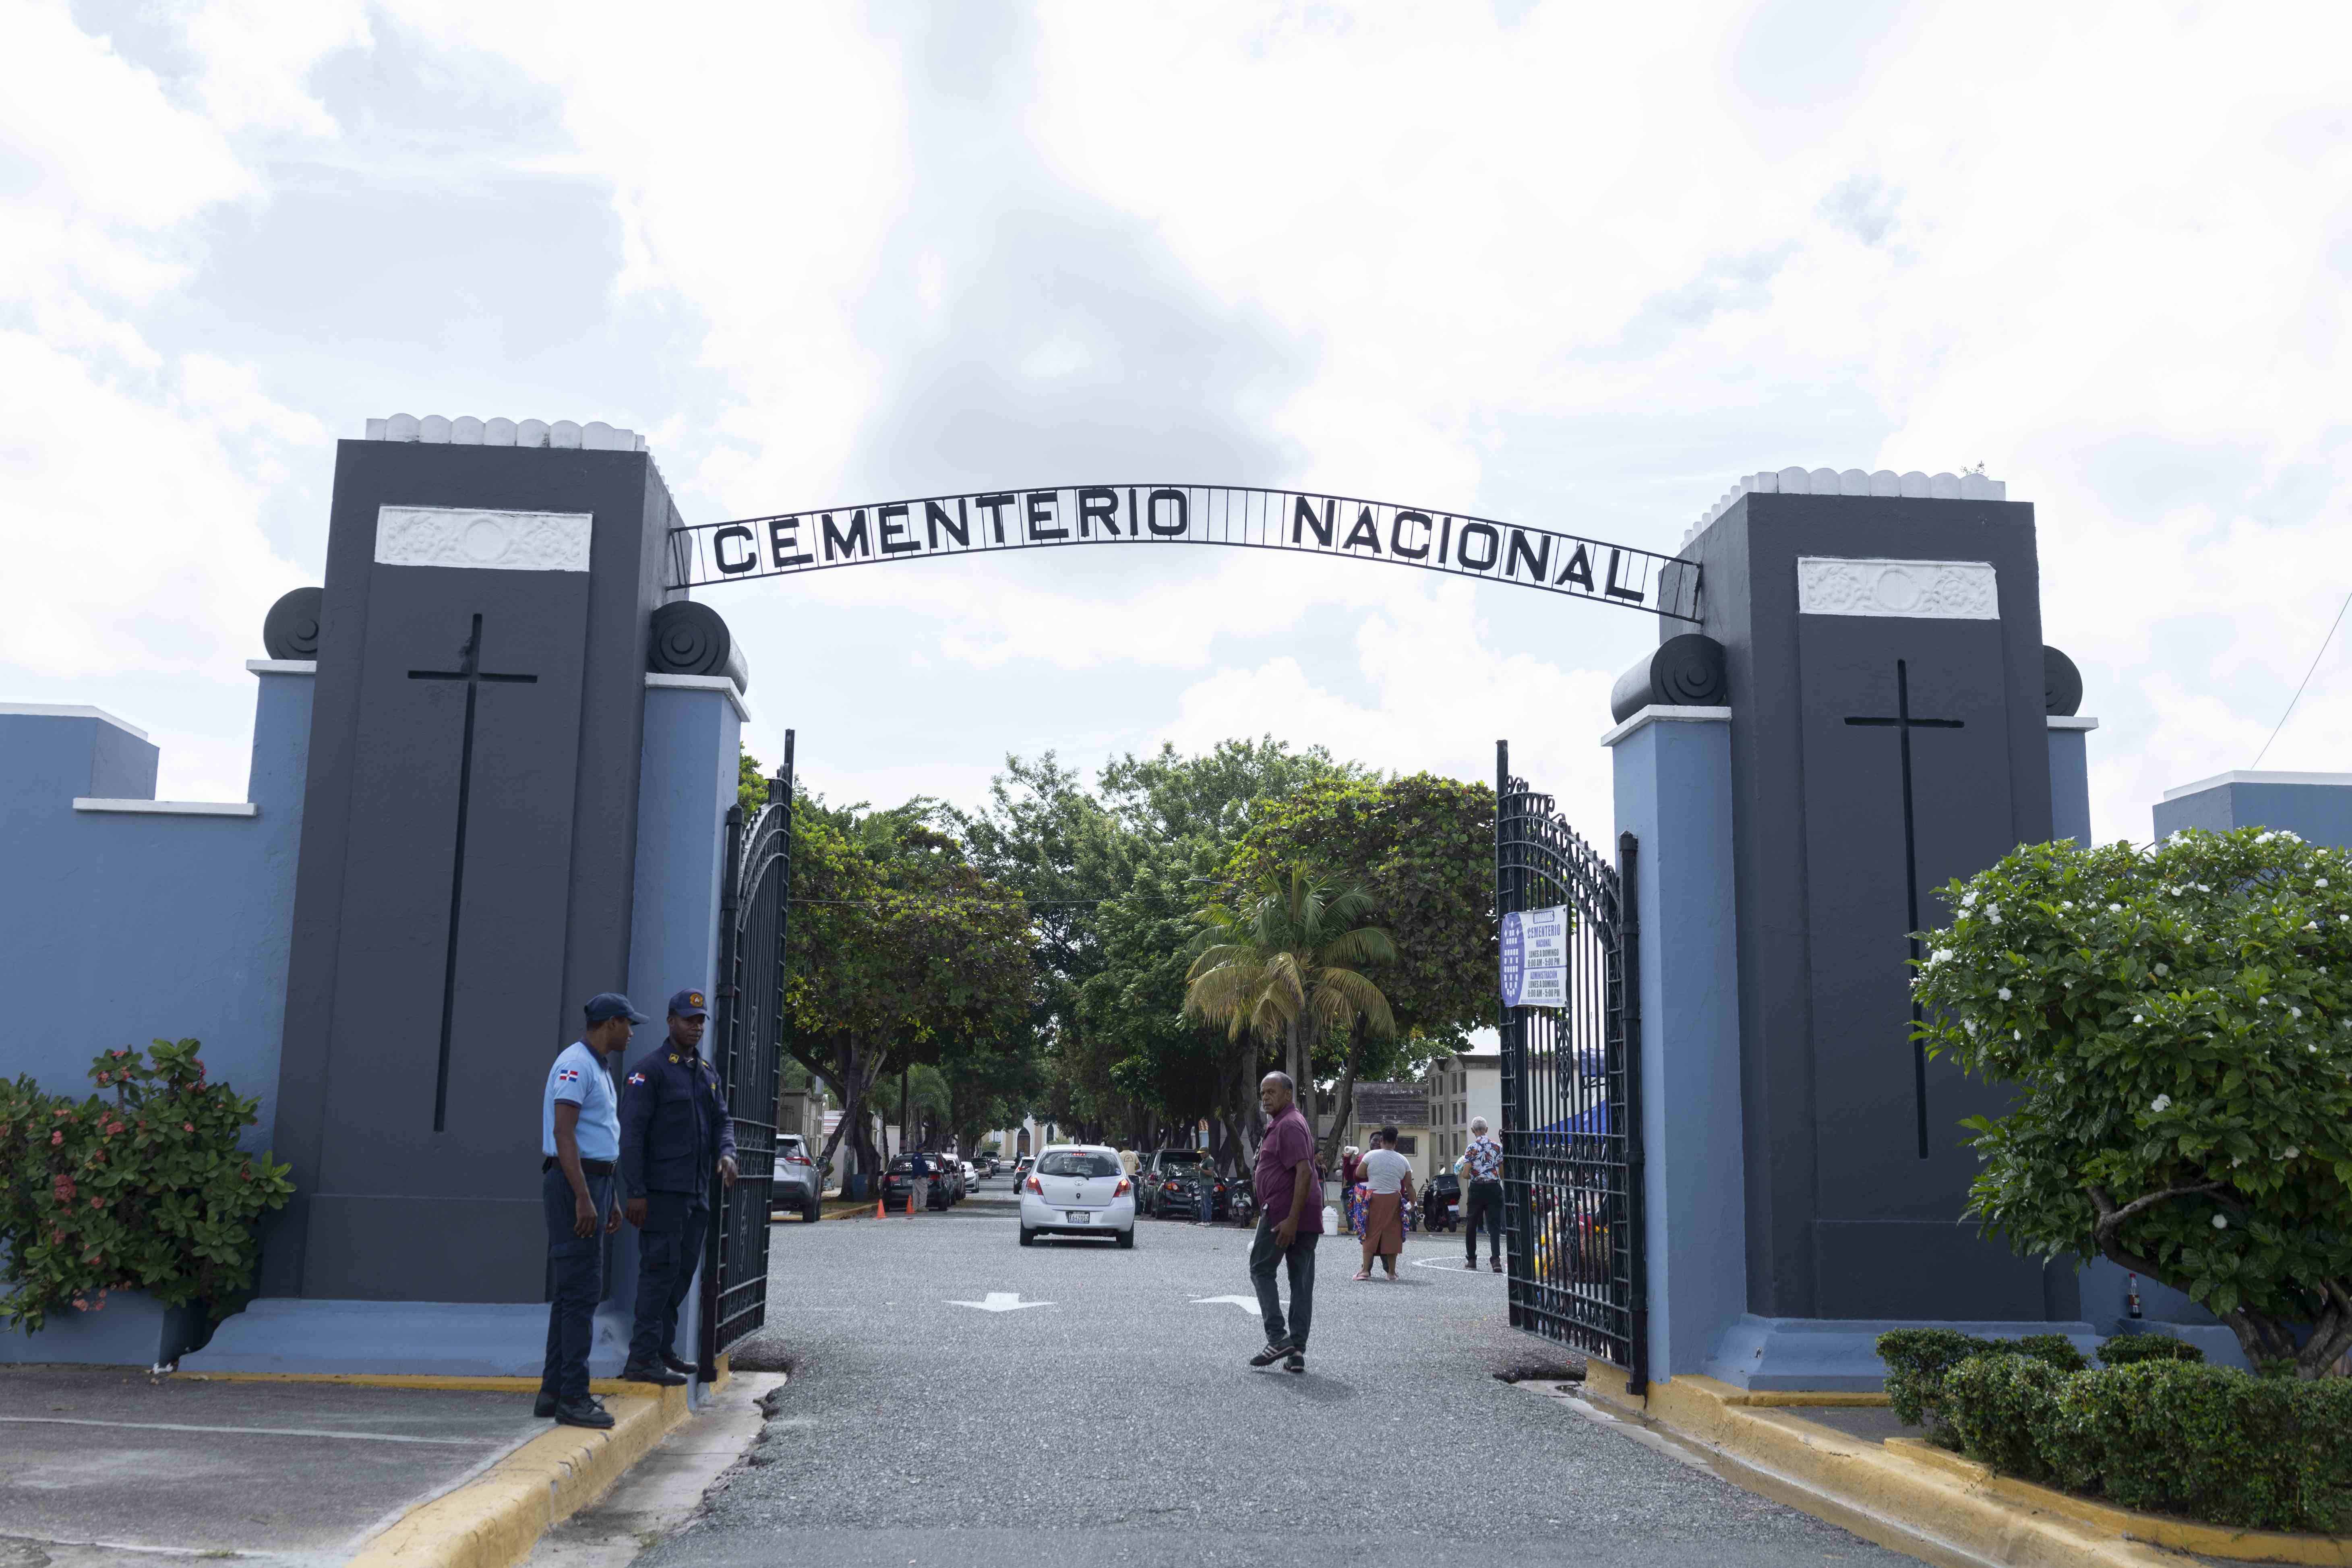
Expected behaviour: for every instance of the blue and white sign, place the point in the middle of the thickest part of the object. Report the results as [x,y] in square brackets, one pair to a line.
[1534,958]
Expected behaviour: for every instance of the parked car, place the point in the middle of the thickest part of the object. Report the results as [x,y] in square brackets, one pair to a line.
[797,1185]
[1152,1181]
[917,1175]
[1177,1195]
[1021,1167]
[1077,1189]
[971,1176]
[951,1175]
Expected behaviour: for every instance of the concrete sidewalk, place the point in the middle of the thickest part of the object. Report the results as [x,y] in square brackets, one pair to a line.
[103,1464]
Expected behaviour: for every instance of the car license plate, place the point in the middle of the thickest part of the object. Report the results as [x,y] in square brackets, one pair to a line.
[1077,1216]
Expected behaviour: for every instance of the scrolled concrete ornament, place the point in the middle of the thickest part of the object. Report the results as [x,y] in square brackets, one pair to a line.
[290,629]
[693,639]
[2062,684]
[1686,671]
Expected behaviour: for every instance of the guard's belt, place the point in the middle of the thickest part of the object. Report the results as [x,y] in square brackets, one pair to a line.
[592,1167]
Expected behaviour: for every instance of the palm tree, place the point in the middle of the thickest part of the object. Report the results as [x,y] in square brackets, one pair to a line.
[1286,969]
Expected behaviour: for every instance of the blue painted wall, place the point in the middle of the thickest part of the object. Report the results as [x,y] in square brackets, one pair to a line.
[123,928]
[1674,792]
[2315,807]
[2069,785]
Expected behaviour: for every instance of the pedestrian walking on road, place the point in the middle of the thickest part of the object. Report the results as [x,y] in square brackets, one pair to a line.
[1290,1221]
[676,1134]
[1482,1171]
[579,1138]
[1351,1170]
[1390,1175]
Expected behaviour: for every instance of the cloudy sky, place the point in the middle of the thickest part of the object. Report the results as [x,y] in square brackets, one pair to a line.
[1572,264]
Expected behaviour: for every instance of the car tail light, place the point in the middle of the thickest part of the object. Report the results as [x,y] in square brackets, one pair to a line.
[1031,1185]
[1119,1191]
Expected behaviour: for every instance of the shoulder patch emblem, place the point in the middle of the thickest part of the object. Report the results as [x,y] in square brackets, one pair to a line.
[636,1077]
[673,1057]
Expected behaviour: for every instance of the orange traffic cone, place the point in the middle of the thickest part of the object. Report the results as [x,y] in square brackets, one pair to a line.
[910,1204]
[877,1205]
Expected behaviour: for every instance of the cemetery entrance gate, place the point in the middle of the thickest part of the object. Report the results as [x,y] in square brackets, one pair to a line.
[754,906]
[1572,1087]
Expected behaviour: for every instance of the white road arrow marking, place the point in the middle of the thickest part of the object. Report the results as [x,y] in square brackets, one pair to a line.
[1000,1302]
[1247,1303]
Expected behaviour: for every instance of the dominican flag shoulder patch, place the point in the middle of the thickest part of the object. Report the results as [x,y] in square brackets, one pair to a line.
[567,1075]
[636,1077]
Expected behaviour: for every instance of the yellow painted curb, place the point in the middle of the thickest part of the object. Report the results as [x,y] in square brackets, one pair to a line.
[1907,1495]
[496,1519]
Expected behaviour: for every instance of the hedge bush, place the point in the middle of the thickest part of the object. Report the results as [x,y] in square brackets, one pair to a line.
[1918,1359]
[2165,1435]
[142,1186]
[2125,1349]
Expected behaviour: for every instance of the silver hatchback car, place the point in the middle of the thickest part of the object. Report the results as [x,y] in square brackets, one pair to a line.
[797,1188]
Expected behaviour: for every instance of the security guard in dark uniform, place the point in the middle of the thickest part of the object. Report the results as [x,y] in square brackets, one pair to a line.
[675,1131]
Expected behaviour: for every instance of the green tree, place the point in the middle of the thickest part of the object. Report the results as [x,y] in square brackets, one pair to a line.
[750,785]
[900,951]
[1423,849]
[1287,966]
[2178,1024]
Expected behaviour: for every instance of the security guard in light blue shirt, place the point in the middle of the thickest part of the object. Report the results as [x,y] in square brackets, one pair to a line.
[675,1133]
[580,1140]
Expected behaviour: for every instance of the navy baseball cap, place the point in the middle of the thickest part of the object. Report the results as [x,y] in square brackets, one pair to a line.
[613,1005]
[687,1005]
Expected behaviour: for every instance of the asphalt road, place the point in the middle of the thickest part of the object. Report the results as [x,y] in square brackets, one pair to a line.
[1118,1422]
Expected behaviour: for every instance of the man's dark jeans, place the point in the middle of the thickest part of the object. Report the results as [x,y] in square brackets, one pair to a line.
[1485,1203]
[575,1283]
[1266,1252]
[667,1250]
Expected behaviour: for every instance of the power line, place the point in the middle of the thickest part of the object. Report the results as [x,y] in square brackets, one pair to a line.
[2306,678]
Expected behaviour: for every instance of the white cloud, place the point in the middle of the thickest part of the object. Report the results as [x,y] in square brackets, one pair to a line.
[1585,263]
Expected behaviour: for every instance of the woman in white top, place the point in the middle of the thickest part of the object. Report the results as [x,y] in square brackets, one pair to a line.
[1390,1175]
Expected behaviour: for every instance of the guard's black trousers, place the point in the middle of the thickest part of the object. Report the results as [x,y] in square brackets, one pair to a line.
[1485,1202]
[666,1251]
[575,1283]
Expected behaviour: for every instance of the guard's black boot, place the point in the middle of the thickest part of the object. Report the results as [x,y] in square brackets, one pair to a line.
[582,1413]
[671,1360]
[544,1407]
[642,1371]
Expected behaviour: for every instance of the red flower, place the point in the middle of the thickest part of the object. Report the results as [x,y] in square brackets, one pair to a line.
[188,1127]
[56,1138]
[64,1189]
[98,1203]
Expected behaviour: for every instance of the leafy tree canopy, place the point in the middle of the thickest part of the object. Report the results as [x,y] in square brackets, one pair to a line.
[1421,849]
[2178,1026]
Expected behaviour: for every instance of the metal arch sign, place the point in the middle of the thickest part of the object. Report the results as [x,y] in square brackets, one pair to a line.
[1298,521]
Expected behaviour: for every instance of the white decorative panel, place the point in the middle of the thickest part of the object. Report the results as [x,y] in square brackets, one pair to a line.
[461,536]
[1927,590]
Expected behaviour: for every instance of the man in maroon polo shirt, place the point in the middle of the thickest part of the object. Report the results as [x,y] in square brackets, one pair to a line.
[1290,1219]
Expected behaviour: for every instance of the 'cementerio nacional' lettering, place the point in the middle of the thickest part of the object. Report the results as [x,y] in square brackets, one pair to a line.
[1294,520]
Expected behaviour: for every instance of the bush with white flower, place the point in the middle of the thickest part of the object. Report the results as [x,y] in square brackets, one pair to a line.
[2178,1025]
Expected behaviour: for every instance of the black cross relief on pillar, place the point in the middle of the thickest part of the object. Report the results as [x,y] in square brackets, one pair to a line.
[1902,722]
[469,671]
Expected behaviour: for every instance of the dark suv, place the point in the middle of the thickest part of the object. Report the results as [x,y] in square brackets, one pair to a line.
[916,1176]
[1164,1185]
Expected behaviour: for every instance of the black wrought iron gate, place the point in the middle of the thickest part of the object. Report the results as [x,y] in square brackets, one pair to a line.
[754,905]
[1571,1091]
